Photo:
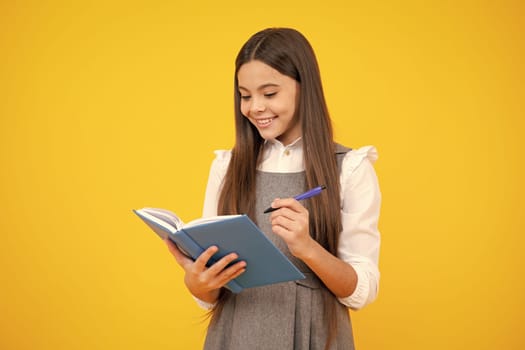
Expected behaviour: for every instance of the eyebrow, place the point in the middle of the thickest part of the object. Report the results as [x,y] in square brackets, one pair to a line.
[261,87]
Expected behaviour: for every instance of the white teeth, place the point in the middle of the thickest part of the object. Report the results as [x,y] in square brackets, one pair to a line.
[263,122]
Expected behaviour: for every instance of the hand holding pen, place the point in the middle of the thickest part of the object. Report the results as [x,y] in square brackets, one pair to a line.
[308,194]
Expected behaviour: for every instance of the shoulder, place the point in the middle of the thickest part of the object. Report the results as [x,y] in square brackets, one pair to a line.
[355,157]
[222,156]
[221,160]
[358,163]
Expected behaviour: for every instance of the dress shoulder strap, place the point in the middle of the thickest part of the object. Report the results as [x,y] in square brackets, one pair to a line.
[340,152]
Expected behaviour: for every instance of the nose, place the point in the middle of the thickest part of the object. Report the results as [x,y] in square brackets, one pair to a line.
[257,106]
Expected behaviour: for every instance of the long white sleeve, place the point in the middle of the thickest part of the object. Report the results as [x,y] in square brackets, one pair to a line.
[360,239]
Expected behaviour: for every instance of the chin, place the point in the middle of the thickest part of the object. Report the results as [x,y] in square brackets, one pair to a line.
[268,135]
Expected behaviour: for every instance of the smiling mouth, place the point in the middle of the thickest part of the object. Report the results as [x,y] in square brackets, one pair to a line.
[264,122]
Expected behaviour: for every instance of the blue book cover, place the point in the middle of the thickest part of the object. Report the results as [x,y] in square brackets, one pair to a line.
[265,263]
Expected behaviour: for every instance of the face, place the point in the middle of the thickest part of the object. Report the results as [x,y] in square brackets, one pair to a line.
[269,100]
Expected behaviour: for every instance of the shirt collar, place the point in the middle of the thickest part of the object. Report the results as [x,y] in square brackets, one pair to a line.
[274,143]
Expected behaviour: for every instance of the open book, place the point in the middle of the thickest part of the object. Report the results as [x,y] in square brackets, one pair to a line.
[265,263]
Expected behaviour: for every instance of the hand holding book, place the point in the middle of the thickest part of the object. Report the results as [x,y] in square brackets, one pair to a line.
[265,263]
[204,283]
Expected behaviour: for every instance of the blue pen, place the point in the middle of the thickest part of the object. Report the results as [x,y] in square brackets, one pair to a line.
[313,192]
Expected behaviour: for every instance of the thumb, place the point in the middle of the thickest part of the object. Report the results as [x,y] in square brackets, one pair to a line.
[181,258]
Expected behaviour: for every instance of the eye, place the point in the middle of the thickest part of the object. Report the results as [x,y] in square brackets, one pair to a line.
[270,94]
[245,97]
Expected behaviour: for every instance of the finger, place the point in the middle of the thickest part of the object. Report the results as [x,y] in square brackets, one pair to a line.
[282,225]
[220,265]
[281,231]
[290,203]
[282,220]
[285,212]
[205,257]
[181,258]
[232,273]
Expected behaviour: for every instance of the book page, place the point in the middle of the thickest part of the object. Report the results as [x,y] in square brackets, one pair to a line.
[209,219]
[166,216]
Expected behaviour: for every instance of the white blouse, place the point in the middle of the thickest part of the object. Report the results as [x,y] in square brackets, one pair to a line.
[360,205]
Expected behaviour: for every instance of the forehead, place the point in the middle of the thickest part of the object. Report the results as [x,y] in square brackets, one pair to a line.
[254,74]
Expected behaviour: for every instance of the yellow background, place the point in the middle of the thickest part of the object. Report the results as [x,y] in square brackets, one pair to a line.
[108,106]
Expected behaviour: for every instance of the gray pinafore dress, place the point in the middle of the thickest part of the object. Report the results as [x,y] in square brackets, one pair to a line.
[283,316]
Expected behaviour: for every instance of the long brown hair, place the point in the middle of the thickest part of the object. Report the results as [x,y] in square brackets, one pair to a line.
[289,52]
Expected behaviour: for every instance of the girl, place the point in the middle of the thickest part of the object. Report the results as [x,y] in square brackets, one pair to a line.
[284,145]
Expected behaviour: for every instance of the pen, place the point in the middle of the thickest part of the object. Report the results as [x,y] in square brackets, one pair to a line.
[313,192]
